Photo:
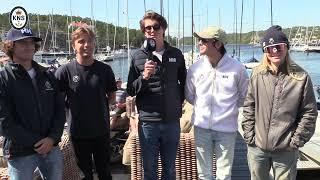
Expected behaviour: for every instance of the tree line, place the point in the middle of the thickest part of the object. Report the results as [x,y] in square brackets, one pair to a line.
[49,26]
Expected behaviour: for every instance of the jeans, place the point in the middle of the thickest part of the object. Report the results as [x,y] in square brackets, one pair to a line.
[209,142]
[283,163]
[158,137]
[99,148]
[50,166]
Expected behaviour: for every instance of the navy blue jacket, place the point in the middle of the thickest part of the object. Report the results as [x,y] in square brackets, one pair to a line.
[159,98]
[29,113]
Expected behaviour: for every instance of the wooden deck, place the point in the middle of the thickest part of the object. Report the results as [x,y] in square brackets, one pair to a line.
[240,170]
[309,159]
[310,153]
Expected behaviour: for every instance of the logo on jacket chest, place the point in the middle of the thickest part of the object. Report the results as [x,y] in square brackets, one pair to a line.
[172,60]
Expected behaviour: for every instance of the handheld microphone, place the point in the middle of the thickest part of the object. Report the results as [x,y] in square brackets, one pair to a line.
[150,45]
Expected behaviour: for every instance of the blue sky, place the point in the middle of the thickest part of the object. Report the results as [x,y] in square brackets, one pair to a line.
[286,13]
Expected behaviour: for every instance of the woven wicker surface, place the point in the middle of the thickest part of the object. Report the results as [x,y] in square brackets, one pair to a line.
[186,167]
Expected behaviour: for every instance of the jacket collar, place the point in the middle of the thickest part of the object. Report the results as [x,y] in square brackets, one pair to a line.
[166,46]
[222,61]
[35,66]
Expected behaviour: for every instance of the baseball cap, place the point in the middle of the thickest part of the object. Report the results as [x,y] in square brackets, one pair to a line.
[19,34]
[212,32]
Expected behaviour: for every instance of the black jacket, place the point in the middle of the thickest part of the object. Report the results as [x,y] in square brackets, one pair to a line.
[159,98]
[29,113]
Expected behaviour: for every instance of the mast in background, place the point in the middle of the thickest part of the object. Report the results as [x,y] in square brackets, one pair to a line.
[178,39]
[192,24]
[168,38]
[271,13]
[107,28]
[182,26]
[240,27]
[253,32]
[128,38]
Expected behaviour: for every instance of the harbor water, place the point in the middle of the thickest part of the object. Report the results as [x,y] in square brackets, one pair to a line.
[309,61]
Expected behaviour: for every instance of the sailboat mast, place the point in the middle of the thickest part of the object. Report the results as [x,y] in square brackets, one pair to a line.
[253,20]
[39,32]
[69,45]
[161,7]
[168,38]
[107,28]
[192,25]
[128,38]
[178,40]
[182,26]
[271,13]
[115,31]
[236,23]
[240,26]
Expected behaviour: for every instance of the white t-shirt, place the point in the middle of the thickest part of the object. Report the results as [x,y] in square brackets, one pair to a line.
[158,54]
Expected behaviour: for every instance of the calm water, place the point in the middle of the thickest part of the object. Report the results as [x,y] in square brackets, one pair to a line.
[311,62]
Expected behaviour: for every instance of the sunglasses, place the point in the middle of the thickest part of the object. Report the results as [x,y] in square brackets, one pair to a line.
[203,40]
[155,27]
[273,49]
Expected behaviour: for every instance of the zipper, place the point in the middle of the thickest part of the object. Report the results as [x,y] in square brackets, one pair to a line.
[34,91]
[212,93]
[271,112]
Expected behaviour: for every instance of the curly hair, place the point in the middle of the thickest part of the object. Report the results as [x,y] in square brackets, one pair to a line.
[153,16]
[7,48]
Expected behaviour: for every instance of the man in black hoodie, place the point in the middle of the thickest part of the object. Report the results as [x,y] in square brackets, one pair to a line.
[31,111]
[158,85]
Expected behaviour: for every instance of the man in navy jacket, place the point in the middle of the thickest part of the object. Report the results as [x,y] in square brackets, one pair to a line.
[158,85]
[31,111]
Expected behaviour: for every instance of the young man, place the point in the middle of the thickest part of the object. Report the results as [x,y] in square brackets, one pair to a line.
[158,86]
[89,86]
[280,111]
[31,111]
[216,85]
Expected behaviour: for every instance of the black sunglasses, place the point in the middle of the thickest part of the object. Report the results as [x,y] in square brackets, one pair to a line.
[206,40]
[155,27]
[203,40]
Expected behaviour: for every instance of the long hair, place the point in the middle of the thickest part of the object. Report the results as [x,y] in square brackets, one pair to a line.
[7,48]
[266,65]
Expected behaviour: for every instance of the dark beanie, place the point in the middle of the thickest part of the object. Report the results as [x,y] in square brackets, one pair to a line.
[274,35]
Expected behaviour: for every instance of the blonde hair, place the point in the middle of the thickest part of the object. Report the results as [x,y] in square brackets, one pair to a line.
[294,70]
[81,31]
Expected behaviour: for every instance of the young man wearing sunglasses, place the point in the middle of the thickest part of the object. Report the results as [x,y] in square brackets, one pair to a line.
[280,111]
[216,85]
[158,85]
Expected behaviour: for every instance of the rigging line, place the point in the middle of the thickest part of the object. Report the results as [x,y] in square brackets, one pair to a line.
[192,30]
[253,33]
[236,20]
[240,25]
[271,13]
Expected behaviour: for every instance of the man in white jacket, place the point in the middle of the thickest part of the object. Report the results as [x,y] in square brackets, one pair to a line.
[216,85]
